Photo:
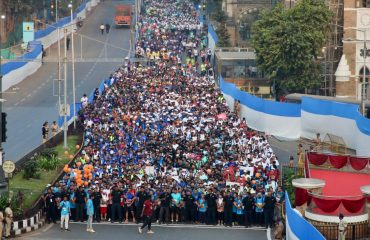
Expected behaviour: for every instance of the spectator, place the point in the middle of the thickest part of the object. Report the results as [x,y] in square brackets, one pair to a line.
[84,101]
[45,132]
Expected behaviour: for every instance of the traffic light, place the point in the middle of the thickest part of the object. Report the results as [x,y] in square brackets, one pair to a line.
[3,127]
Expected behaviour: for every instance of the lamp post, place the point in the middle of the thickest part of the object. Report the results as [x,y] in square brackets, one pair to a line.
[73,69]
[59,63]
[3,183]
[65,128]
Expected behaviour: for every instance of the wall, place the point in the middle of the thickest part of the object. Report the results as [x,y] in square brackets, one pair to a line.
[15,72]
[289,120]
[212,38]
[280,119]
[297,228]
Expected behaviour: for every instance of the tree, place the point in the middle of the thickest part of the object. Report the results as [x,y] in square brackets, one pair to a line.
[223,36]
[288,41]
[220,16]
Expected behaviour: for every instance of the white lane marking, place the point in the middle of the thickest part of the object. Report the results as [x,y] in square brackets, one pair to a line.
[177,226]
[48,227]
[268,234]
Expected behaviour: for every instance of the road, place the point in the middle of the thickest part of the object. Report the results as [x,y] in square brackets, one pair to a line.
[34,102]
[170,232]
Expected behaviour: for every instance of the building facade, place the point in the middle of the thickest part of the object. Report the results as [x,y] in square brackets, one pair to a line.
[242,14]
[353,70]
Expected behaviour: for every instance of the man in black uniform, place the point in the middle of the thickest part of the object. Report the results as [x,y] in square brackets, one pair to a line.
[165,206]
[211,207]
[268,210]
[50,206]
[190,207]
[107,28]
[141,196]
[96,197]
[80,200]
[116,207]
[228,209]
[248,203]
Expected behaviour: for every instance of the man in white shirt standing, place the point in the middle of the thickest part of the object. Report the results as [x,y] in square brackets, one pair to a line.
[84,101]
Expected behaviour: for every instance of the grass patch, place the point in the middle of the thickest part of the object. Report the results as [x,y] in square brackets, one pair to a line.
[33,188]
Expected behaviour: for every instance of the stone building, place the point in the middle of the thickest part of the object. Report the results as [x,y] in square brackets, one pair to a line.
[242,13]
[355,58]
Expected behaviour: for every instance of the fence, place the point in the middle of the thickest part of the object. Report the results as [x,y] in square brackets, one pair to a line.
[358,231]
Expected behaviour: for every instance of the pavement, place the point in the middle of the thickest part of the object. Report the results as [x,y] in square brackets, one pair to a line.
[162,232]
[33,101]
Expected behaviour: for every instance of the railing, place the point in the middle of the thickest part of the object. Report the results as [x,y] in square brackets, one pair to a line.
[358,231]
[287,170]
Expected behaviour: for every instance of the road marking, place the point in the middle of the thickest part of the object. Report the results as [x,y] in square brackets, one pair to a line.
[29,95]
[268,232]
[16,104]
[48,227]
[178,226]
[22,100]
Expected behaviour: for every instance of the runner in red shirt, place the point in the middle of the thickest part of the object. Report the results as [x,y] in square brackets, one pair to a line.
[146,215]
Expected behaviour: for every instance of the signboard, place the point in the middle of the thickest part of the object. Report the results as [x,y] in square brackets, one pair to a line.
[28,32]
[64,109]
[8,167]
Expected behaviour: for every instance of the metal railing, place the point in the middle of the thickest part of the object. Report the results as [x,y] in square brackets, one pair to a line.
[358,231]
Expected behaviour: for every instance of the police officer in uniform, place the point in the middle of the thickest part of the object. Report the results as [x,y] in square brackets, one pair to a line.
[342,228]
[50,205]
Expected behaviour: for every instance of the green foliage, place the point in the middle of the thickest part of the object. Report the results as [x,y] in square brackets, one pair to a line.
[288,41]
[14,204]
[220,16]
[288,175]
[30,170]
[49,152]
[47,163]
[223,36]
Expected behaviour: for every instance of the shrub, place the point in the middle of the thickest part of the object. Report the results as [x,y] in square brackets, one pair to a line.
[14,204]
[48,152]
[30,169]
[47,163]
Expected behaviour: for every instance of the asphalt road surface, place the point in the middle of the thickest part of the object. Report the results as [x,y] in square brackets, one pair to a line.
[130,232]
[34,101]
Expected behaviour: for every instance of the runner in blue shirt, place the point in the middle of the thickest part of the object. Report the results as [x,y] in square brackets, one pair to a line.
[65,212]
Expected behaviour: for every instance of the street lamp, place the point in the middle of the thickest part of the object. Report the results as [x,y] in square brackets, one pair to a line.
[363,84]
[59,63]
[3,183]
[73,69]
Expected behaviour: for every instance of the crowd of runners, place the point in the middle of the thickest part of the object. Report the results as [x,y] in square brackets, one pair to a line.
[162,131]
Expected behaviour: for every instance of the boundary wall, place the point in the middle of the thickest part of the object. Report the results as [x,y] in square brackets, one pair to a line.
[16,71]
[292,121]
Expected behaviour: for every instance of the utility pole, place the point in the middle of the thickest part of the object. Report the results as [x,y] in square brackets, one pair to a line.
[59,63]
[73,69]
[65,128]
[3,182]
